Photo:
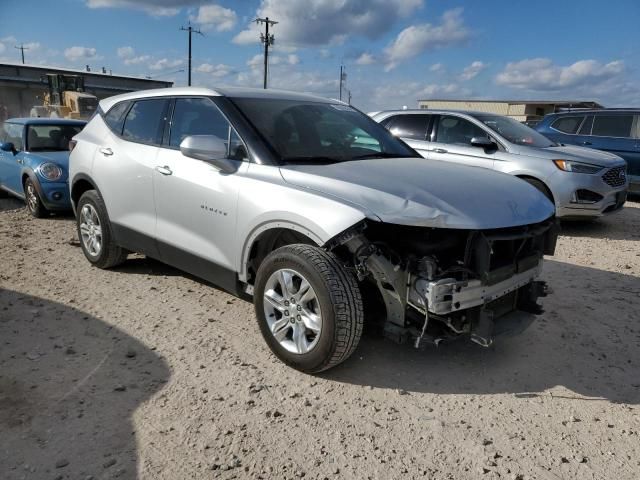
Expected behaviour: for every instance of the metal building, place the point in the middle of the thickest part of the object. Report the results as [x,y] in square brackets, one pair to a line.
[521,110]
[23,86]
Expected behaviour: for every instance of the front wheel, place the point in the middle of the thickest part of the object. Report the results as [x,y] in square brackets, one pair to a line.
[309,307]
[34,202]
[95,233]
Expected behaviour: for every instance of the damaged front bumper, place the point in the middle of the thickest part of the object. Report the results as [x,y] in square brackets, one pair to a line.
[481,284]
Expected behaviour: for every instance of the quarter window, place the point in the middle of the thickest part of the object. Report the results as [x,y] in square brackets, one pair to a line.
[200,116]
[144,121]
[568,124]
[612,125]
[115,117]
[412,126]
[457,131]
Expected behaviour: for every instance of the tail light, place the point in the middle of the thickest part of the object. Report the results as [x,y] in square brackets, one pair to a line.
[72,145]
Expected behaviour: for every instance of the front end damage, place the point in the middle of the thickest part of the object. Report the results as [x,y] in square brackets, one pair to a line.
[434,284]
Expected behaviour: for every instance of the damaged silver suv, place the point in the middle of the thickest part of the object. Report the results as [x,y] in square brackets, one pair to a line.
[313,210]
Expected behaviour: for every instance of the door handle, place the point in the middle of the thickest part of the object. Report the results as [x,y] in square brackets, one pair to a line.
[440,150]
[164,170]
[587,143]
[20,161]
[106,151]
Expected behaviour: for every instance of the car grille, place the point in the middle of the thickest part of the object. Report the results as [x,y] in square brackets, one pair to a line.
[616,176]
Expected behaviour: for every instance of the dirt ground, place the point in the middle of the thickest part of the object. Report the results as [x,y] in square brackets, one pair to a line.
[143,372]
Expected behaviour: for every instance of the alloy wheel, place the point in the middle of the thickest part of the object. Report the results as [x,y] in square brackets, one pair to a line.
[90,230]
[292,311]
[32,197]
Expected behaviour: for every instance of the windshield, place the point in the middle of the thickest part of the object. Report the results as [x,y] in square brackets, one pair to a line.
[514,131]
[50,138]
[311,132]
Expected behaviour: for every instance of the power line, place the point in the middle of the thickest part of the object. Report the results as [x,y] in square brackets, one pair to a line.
[191,30]
[22,48]
[268,40]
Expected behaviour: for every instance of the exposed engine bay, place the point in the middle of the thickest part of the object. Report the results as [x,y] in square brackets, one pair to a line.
[437,284]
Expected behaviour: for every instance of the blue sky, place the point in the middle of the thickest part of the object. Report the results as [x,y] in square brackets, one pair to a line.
[395,51]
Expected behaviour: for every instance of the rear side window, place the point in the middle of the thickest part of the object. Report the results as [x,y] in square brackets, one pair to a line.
[612,125]
[115,117]
[568,124]
[409,126]
[145,121]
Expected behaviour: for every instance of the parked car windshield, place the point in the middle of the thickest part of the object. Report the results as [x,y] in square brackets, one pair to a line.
[313,132]
[50,138]
[514,131]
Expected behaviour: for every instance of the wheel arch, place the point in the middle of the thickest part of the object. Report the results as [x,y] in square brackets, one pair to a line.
[81,183]
[267,237]
[526,177]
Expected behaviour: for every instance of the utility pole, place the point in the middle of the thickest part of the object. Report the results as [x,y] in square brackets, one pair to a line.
[268,41]
[22,48]
[191,30]
[343,77]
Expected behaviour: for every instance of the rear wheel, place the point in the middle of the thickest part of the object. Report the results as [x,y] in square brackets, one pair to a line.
[33,200]
[309,307]
[95,233]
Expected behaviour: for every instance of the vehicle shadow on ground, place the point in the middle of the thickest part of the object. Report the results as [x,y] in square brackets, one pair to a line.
[617,226]
[579,343]
[69,384]
[7,204]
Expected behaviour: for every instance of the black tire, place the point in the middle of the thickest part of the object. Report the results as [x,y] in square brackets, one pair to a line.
[32,198]
[339,299]
[110,254]
[540,186]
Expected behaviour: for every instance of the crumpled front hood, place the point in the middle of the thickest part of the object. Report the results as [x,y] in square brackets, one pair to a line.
[573,152]
[420,192]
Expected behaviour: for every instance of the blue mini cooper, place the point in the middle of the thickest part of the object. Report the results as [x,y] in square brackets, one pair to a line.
[34,162]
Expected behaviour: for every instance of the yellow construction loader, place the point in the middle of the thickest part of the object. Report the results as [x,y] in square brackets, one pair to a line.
[65,98]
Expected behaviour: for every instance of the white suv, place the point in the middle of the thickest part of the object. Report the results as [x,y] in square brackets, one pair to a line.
[313,210]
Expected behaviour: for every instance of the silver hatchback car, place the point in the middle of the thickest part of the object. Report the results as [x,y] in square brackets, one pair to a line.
[582,182]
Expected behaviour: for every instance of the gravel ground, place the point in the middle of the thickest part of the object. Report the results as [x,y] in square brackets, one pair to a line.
[143,372]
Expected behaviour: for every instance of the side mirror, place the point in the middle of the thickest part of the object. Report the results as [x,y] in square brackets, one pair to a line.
[483,142]
[8,147]
[210,149]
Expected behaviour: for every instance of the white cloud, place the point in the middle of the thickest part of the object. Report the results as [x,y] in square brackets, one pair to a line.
[137,60]
[216,71]
[212,17]
[326,22]
[416,39]
[398,94]
[165,64]
[293,59]
[126,52]
[437,68]
[257,61]
[2,47]
[75,54]
[156,8]
[365,59]
[472,70]
[541,74]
